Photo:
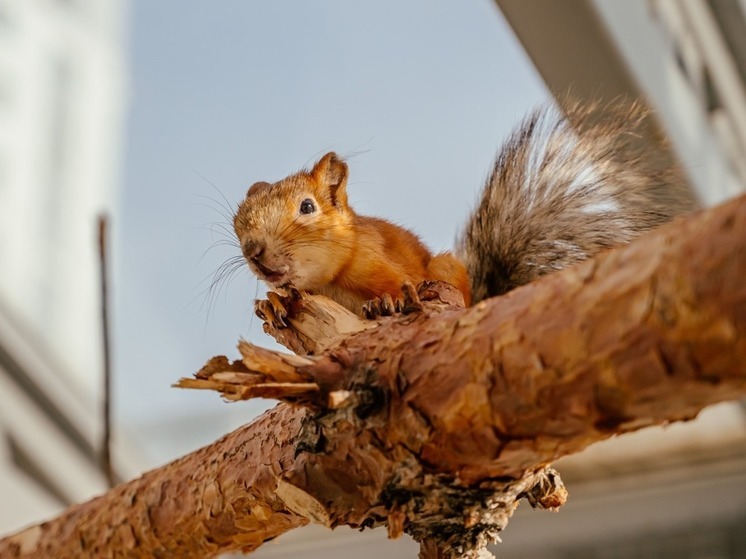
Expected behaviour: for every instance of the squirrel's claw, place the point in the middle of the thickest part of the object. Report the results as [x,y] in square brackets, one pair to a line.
[278,305]
[372,309]
[265,311]
[380,306]
[409,301]
[385,305]
[273,310]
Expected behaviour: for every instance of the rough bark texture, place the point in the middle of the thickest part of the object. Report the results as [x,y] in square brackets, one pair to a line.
[221,497]
[437,422]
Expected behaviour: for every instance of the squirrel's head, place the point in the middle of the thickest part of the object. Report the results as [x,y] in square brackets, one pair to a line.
[297,231]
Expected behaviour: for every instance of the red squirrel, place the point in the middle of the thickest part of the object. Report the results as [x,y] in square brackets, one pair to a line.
[301,232]
[565,186]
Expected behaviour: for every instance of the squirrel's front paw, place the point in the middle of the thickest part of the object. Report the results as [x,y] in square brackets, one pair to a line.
[274,309]
[406,303]
[378,307]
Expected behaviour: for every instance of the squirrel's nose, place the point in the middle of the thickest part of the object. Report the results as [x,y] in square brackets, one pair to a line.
[253,250]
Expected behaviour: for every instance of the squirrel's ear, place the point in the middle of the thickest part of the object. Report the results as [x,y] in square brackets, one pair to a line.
[257,187]
[331,172]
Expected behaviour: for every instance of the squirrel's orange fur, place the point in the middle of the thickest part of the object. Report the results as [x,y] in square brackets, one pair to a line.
[301,232]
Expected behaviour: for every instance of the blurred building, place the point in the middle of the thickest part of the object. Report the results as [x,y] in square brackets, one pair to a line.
[685,58]
[62,101]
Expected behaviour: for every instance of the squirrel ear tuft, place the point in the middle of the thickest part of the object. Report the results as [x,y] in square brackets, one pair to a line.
[257,187]
[331,173]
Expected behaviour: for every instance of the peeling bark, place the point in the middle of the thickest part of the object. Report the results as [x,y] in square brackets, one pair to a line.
[437,422]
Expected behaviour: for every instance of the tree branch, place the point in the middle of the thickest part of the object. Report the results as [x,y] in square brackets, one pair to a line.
[436,422]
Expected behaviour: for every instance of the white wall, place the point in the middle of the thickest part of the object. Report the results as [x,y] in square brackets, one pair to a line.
[62,97]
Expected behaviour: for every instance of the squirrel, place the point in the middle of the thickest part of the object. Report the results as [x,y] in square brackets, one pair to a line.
[565,186]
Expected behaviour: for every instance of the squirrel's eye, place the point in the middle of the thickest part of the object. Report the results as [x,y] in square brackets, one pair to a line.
[307,207]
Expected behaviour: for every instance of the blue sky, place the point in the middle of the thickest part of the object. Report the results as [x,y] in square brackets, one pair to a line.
[417,94]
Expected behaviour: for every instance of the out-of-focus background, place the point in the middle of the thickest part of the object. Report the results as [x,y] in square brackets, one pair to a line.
[162,112]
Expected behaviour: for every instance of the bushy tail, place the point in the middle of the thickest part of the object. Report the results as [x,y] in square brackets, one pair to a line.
[564,187]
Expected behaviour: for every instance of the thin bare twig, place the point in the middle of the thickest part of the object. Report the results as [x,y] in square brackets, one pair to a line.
[106,465]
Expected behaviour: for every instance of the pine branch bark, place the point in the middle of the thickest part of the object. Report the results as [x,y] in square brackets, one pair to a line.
[438,420]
